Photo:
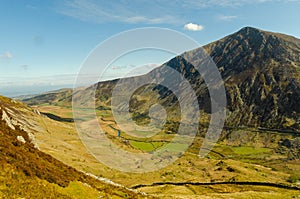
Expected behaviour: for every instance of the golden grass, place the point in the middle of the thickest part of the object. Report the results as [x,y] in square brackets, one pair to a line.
[62,142]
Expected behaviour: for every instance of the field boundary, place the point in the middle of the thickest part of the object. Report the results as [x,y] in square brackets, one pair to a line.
[267,184]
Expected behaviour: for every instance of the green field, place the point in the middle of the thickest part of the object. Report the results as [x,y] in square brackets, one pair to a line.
[145,146]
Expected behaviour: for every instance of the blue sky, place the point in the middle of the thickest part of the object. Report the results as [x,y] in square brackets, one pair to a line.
[44,43]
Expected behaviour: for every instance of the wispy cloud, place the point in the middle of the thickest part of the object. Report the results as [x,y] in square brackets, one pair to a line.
[145,11]
[32,7]
[24,67]
[227,18]
[7,55]
[139,70]
[152,65]
[29,81]
[221,3]
[122,11]
[198,4]
[193,27]
[118,67]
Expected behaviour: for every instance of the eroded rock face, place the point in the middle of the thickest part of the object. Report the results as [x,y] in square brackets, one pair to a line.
[16,114]
[260,100]
[7,120]
[262,72]
[290,147]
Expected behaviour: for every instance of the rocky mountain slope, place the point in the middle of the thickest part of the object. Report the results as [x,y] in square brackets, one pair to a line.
[262,77]
[261,73]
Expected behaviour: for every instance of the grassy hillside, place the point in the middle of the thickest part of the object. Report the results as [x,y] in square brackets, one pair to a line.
[26,172]
[246,155]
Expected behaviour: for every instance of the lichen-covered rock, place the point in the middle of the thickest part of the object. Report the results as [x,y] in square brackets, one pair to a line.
[21,139]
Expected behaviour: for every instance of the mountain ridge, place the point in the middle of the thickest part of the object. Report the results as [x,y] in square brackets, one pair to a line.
[260,69]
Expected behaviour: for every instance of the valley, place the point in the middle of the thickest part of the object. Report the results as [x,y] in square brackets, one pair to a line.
[243,155]
[256,156]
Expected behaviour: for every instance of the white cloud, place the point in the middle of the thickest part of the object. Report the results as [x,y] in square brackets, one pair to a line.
[227,18]
[7,55]
[193,27]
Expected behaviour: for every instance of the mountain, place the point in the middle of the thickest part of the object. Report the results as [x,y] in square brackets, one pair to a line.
[26,172]
[262,77]
[260,143]
[260,70]
[261,73]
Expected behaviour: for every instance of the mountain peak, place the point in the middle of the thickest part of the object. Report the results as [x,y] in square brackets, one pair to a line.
[251,33]
[252,36]
[252,45]
[249,30]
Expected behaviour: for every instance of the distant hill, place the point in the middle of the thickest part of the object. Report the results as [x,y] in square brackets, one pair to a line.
[48,97]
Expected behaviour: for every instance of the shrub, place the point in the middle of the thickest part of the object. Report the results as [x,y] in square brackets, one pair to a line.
[293,179]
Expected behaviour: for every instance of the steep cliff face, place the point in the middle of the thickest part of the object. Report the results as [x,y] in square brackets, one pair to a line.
[261,72]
